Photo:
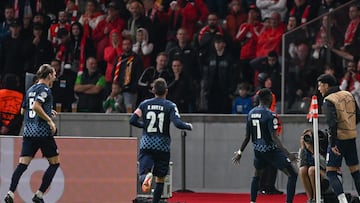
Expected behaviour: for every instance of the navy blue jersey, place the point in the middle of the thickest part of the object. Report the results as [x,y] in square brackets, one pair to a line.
[157,114]
[261,125]
[34,126]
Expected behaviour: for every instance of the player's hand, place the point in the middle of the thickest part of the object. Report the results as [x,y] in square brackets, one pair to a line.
[292,157]
[236,158]
[52,126]
[53,113]
[335,150]
[191,127]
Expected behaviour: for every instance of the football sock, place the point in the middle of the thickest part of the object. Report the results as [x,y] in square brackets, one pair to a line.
[254,188]
[11,194]
[39,194]
[20,169]
[335,182]
[158,192]
[356,176]
[48,176]
[342,198]
[290,188]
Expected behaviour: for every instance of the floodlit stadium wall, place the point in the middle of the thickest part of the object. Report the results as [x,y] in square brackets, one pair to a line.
[209,148]
[91,170]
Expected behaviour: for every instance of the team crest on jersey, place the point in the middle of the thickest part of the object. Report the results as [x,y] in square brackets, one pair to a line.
[275,123]
[43,95]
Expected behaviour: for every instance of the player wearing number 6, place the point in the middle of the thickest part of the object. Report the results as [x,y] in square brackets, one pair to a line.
[154,155]
[38,132]
[261,127]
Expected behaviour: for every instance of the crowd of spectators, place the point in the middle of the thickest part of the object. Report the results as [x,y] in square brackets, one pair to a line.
[108,53]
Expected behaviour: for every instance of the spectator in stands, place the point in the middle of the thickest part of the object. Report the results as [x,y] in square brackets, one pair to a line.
[159,19]
[270,38]
[10,104]
[183,49]
[175,19]
[126,73]
[301,75]
[271,66]
[63,52]
[302,11]
[80,47]
[204,40]
[268,7]
[91,17]
[101,32]
[111,52]
[54,28]
[351,80]
[137,20]
[12,55]
[143,47]
[194,13]
[114,103]
[217,80]
[248,35]
[152,73]
[180,88]
[352,34]
[235,18]
[9,14]
[72,11]
[243,102]
[63,86]
[89,86]
[38,50]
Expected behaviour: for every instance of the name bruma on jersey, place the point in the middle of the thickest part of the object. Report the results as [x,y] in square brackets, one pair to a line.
[256,115]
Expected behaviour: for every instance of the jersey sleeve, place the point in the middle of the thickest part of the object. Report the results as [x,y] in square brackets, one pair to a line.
[41,95]
[175,118]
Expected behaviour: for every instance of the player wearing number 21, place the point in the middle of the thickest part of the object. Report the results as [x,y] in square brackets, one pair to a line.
[154,155]
[39,130]
[261,126]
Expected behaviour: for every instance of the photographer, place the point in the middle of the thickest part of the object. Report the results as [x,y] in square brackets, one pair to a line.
[350,81]
[307,162]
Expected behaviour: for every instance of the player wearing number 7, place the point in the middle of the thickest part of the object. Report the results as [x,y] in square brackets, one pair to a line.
[154,155]
[261,127]
[39,130]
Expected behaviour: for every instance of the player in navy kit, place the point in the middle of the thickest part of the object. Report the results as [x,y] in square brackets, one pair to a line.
[157,114]
[38,132]
[261,127]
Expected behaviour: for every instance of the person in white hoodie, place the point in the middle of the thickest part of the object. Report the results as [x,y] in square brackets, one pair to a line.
[267,7]
[143,47]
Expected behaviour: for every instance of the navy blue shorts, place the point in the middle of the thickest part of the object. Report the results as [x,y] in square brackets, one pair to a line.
[276,158]
[348,151]
[158,160]
[47,145]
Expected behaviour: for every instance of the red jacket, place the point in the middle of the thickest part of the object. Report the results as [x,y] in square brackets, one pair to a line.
[270,40]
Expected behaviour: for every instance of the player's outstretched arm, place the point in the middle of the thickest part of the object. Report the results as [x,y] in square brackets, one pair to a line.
[236,158]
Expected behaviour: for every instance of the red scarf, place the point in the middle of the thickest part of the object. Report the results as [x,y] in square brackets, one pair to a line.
[60,55]
[207,29]
[82,54]
[350,31]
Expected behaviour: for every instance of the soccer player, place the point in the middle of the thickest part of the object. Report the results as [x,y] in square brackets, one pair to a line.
[342,114]
[261,127]
[156,114]
[38,132]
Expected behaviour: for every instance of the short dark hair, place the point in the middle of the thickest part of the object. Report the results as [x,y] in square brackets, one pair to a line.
[44,71]
[327,78]
[159,86]
[265,96]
